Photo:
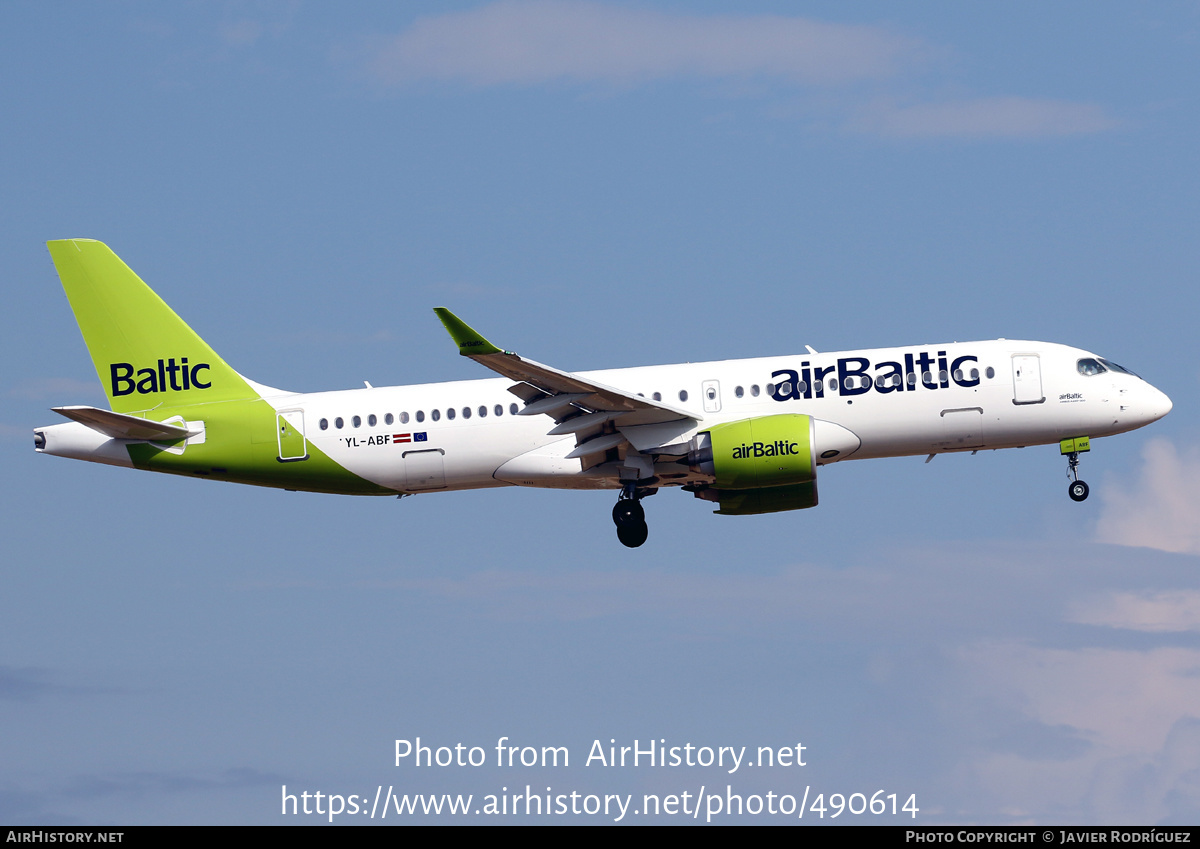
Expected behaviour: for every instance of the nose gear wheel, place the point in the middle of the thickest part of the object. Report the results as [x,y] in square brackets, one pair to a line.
[1077,489]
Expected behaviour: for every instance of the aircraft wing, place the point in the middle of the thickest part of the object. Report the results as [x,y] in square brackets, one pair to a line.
[591,410]
[121,425]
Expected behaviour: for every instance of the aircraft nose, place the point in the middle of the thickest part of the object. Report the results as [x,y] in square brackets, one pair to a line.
[1156,404]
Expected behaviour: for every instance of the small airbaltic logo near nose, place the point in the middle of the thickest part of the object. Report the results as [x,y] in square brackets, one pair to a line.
[778,448]
[169,376]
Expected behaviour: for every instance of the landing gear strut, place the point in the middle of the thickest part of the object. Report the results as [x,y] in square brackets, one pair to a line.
[1077,489]
[630,518]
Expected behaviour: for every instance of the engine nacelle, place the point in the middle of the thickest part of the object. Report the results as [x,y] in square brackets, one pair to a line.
[757,453]
[771,499]
[761,465]
[767,464]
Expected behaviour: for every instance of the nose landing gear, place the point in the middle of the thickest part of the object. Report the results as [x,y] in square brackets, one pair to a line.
[1072,448]
[630,518]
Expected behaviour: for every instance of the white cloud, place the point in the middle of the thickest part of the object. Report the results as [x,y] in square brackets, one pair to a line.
[1161,509]
[1137,710]
[985,117]
[533,42]
[1125,701]
[1170,611]
[536,41]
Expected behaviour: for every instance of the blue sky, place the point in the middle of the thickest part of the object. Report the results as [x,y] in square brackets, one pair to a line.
[600,185]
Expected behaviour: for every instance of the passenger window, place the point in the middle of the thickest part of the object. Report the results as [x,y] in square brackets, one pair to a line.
[371,420]
[879,382]
[991,372]
[754,390]
[403,419]
[357,421]
[682,394]
[958,375]
[512,408]
[912,378]
[657,396]
[974,374]
[739,392]
[802,388]
[420,415]
[770,388]
[926,377]
[466,412]
[388,419]
[435,415]
[833,384]
[338,422]
[943,376]
[785,388]
[498,409]
[324,424]
[450,413]
[482,411]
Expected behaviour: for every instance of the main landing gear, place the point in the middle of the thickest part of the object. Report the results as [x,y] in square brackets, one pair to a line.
[1077,489]
[630,518]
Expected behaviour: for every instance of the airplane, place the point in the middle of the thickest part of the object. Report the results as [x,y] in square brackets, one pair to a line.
[747,435]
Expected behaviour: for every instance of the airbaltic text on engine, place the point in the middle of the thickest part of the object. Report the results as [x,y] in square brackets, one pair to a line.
[778,448]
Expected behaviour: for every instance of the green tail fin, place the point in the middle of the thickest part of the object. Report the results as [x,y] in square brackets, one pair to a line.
[145,355]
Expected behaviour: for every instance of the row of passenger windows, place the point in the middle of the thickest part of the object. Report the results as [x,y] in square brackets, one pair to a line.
[419,416]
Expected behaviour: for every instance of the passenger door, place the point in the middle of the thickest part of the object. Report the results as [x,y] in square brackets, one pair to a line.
[1027,379]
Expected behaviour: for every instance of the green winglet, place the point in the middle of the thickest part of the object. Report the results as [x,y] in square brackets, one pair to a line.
[470,343]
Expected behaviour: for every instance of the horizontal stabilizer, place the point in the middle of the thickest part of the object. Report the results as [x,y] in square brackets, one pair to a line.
[122,426]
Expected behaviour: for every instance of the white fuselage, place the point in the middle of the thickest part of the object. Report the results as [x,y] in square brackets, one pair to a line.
[898,401]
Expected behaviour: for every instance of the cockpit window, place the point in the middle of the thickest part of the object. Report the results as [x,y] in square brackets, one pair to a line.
[1116,367]
[1089,366]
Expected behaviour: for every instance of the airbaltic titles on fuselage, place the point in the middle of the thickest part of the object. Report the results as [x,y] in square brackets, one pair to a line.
[917,371]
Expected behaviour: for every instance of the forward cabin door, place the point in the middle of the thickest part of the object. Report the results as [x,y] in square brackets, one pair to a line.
[1027,379]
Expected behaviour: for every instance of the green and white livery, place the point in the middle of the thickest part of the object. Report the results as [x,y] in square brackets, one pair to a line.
[748,435]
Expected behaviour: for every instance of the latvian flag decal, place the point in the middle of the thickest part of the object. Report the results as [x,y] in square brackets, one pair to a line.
[410,437]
